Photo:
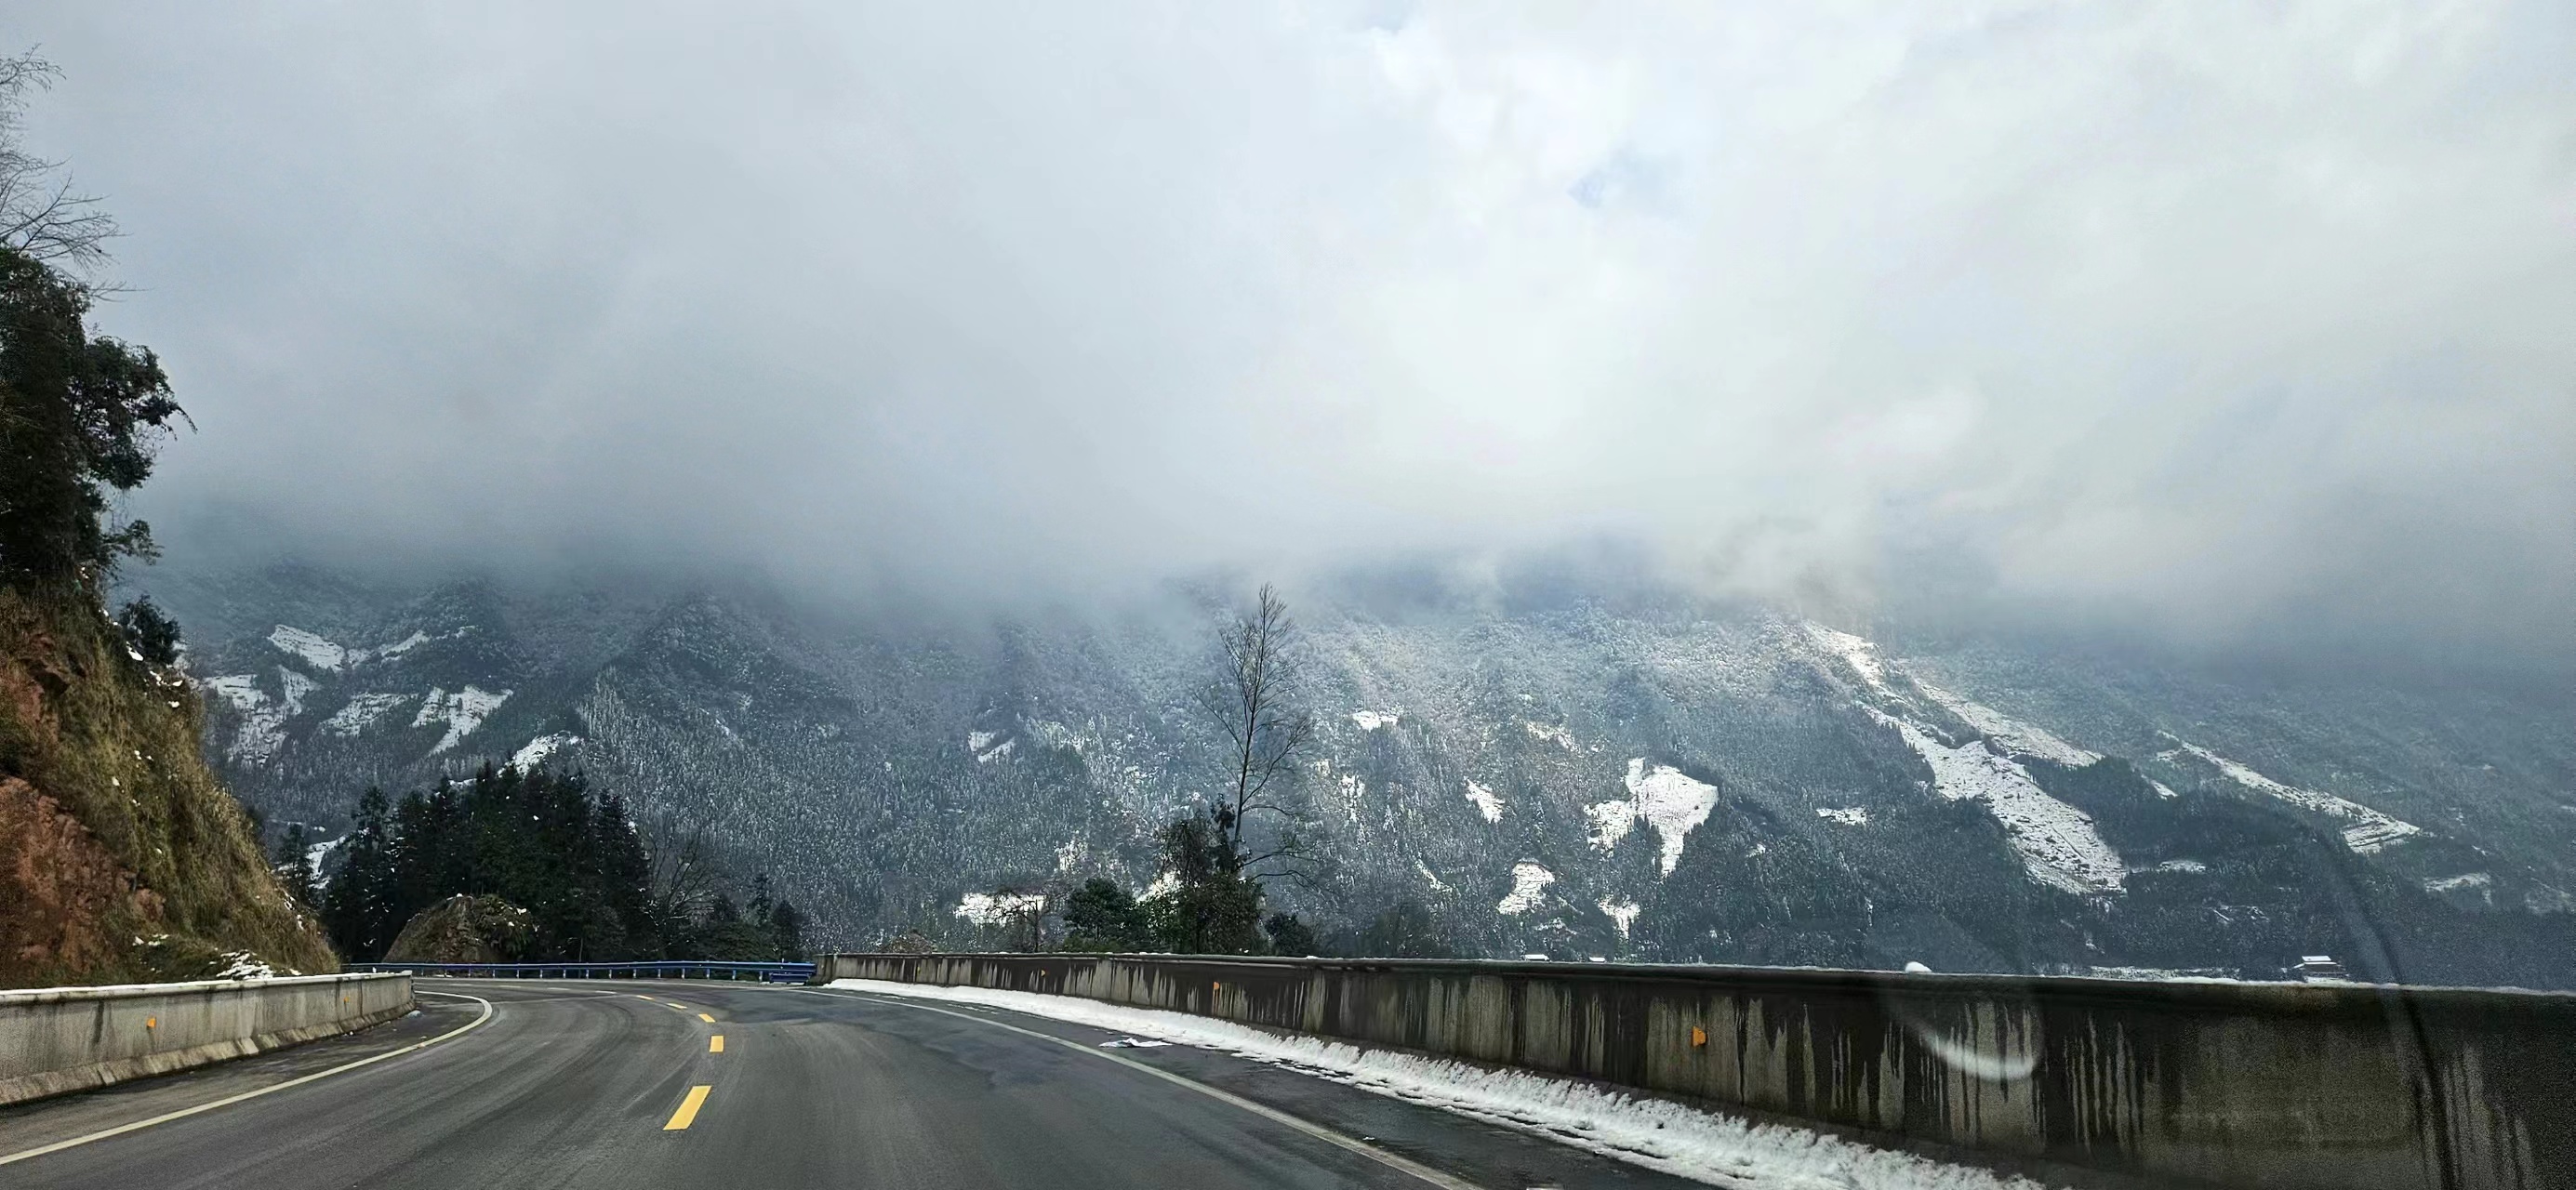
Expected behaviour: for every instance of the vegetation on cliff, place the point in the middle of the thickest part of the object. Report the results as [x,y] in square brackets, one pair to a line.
[121,858]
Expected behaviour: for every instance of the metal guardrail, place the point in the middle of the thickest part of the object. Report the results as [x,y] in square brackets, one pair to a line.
[649,969]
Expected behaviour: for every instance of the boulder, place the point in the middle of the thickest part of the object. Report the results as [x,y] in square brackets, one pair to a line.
[464,929]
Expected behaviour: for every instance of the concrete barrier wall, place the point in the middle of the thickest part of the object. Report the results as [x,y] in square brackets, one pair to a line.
[2271,1085]
[54,1040]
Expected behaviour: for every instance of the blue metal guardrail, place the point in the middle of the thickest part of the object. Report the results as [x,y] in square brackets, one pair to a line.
[649,969]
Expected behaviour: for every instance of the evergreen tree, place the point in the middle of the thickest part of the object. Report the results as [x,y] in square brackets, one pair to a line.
[1216,908]
[1291,937]
[359,910]
[787,931]
[536,840]
[1100,916]
[80,417]
[295,866]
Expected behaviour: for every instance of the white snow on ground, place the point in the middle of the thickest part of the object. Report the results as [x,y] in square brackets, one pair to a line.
[1373,720]
[1856,652]
[1664,798]
[297,686]
[2182,865]
[1671,802]
[1354,795]
[983,744]
[2057,842]
[362,713]
[396,649]
[1430,877]
[1529,882]
[2443,884]
[310,647]
[540,748]
[1488,803]
[462,712]
[2371,831]
[1164,885]
[1656,1134]
[993,909]
[314,855]
[1611,822]
[1557,735]
[1848,815]
[242,964]
[263,723]
[1621,913]
[2025,738]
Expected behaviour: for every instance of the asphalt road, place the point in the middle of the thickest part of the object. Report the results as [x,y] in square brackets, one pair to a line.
[623,1084]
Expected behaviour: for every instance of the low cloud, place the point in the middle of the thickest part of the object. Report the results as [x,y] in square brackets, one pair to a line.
[2223,320]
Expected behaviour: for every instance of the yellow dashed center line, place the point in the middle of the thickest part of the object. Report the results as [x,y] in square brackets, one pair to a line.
[688,1109]
[708,1019]
[715,1044]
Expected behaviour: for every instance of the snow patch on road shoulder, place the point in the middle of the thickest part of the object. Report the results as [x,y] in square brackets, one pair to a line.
[1656,1134]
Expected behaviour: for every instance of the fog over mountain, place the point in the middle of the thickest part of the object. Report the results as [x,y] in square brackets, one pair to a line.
[2242,326]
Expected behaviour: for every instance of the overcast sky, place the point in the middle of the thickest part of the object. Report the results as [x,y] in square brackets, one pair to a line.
[2229,319]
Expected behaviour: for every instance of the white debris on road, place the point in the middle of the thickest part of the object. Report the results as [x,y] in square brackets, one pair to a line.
[1656,1134]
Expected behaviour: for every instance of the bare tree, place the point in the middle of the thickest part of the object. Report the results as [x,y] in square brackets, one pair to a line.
[1254,699]
[42,217]
[684,869]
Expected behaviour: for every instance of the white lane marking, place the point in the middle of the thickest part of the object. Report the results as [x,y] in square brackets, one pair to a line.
[1372,1152]
[228,1100]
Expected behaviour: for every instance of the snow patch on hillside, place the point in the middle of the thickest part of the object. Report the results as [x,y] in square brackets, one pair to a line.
[1529,883]
[310,647]
[398,648]
[1373,720]
[462,712]
[2024,738]
[1488,803]
[2057,842]
[2370,832]
[1656,1134]
[2444,884]
[1662,797]
[1847,815]
[362,712]
[2182,865]
[1855,651]
[538,749]
[296,686]
[989,746]
[263,722]
[993,909]
[1621,913]
[1611,822]
[1555,735]
[1430,877]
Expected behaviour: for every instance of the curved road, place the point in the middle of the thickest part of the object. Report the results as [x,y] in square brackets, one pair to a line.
[626,1084]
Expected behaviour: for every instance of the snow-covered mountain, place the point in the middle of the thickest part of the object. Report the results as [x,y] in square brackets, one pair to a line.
[1545,768]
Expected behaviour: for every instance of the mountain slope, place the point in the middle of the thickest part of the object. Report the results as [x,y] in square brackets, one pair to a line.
[1541,766]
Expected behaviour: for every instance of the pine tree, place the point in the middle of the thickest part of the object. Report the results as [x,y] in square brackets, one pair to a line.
[359,910]
[295,866]
[1100,916]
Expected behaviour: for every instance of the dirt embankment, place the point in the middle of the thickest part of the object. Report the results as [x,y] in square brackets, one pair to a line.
[121,858]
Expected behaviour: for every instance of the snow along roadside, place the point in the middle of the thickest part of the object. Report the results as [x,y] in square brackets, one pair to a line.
[1658,1134]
